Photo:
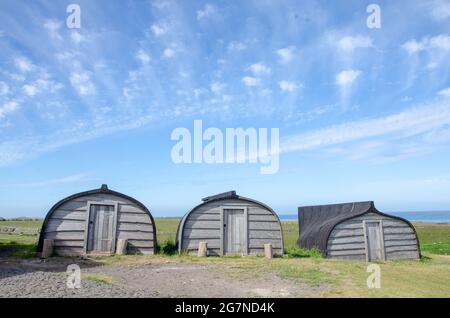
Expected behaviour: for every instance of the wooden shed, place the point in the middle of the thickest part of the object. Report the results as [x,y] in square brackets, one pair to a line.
[357,231]
[231,225]
[92,222]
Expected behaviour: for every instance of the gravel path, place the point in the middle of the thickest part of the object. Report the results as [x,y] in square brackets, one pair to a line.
[38,278]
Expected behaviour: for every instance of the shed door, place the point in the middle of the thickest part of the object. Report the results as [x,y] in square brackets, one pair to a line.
[234,231]
[374,241]
[101,229]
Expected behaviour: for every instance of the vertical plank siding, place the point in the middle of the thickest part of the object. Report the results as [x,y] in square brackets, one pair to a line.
[347,241]
[67,225]
[203,224]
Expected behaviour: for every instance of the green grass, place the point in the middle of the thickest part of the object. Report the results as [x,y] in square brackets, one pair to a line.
[32,224]
[434,238]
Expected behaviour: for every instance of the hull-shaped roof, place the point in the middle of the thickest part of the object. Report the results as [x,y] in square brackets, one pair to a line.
[317,222]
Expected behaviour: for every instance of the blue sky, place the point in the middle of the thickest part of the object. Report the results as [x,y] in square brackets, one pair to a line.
[364,114]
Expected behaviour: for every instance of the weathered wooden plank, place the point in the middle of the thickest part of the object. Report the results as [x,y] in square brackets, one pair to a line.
[103,197]
[262,234]
[257,243]
[347,252]
[358,257]
[391,249]
[140,243]
[68,251]
[127,208]
[344,240]
[135,227]
[134,235]
[193,244]
[205,217]
[398,230]
[264,226]
[402,255]
[211,251]
[66,235]
[262,218]
[400,243]
[69,214]
[201,234]
[343,247]
[68,243]
[202,224]
[393,237]
[134,218]
[74,206]
[342,233]
[65,225]
[349,226]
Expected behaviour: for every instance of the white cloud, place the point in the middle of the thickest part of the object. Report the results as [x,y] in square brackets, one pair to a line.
[143,56]
[445,92]
[53,27]
[250,81]
[409,123]
[439,42]
[82,83]
[287,86]
[350,43]
[158,29]
[236,46]
[41,85]
[76,37]
[440,9]
[207,11]
[23,64]
[7,108]
[259,69]
[217,87]
[168,53]
[286,54]
[347,77]
[4,89]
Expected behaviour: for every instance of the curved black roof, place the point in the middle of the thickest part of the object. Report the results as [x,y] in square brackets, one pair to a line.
[317,222]
[104,190]
[217,197]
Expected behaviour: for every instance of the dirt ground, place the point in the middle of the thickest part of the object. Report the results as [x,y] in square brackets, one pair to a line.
[145,278]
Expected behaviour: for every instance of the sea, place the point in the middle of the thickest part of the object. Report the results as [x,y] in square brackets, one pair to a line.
[422,216]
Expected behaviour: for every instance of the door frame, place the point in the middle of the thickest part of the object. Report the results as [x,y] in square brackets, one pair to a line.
[222,228]
[114,230]
[383,252]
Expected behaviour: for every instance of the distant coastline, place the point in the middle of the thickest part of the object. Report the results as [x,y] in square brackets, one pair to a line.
[419,216]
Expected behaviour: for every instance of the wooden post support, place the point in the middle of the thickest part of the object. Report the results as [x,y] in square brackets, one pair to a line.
[121,248]
[47,248]
[268,251]
[202,249]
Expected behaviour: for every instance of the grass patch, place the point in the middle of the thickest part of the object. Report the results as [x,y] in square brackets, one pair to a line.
[310,276]
[99,278]
[18,249]
[169,247]
[297,252]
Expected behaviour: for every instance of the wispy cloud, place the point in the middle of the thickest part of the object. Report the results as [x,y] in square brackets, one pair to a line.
[286,55]
[76,178]
[409,123]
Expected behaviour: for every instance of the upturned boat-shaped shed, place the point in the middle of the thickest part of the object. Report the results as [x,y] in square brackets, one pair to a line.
[357,231]
[92,222]
[230,225]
